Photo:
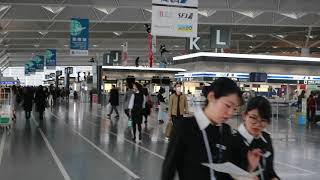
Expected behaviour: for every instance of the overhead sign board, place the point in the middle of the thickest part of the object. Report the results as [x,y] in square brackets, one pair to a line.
[39,63]
[220,37]
[177,18]
[51,58]
[79,37]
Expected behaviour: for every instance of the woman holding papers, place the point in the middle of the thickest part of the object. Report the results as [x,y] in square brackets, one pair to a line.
[205,138]
[250,136]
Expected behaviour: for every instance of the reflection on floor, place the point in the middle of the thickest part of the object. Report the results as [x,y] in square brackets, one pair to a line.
[77,141]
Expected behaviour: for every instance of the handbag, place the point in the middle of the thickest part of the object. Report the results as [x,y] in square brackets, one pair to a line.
[129,122]
[168,129]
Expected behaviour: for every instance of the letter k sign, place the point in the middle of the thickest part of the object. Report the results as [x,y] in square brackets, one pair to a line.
[218,39]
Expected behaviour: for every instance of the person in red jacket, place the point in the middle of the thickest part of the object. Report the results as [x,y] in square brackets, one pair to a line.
[311,108]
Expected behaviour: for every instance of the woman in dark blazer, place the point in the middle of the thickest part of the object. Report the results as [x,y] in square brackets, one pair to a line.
[251,135]
[205,138]
[28,96]
[40,100]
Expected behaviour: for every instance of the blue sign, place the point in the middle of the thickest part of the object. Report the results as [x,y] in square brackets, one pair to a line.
[79,37]
[39,62]
[51,58]
[32,66]
[8,82]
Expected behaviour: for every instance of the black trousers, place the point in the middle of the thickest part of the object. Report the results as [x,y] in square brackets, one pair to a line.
[137,116]
[311,115]
[114,108]
[176,120]
[28,114]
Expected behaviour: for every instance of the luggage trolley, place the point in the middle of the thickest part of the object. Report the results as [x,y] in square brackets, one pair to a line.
[5,109]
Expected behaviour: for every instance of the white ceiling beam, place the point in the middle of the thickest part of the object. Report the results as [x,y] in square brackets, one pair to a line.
[286,41]
[308,37]
[257,46]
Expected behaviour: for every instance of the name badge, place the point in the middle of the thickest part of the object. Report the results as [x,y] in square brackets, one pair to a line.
[220,146]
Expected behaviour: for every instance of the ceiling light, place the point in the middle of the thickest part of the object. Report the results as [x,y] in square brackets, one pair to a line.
[251,47]
[106,10]
[6,45]
[281,36]
[53,9]
[207,13]
[251,14]
[43,33]
[251,35]
[66,45]
[176,46]
[4,32]
[298,47]
[95,45]
[311,36]
[36,45]
[274,47]
[117,33]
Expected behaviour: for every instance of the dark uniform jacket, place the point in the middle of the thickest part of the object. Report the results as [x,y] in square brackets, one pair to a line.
[243,142]
[187,151]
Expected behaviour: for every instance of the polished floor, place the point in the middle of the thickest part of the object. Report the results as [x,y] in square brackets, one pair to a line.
[77,141]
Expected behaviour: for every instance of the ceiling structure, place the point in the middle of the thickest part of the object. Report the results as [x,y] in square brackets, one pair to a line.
[29,27]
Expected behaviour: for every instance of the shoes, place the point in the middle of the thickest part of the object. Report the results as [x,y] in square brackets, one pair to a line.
[161,121]
[140,137]
[134,139]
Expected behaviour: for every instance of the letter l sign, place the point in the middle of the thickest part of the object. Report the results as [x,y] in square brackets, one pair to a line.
[218,40]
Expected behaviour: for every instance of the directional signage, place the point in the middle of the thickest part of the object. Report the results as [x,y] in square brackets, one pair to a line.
[220,37]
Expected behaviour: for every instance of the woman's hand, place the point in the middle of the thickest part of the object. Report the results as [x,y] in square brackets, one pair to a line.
[253,159]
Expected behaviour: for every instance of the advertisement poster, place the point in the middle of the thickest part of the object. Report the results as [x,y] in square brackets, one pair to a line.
[39,63]
[79,37]
[51,58]
[176,18]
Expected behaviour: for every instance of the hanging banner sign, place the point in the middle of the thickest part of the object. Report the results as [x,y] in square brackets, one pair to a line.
[51,58]
[177,18]
[39,63]
[26,70]
[79,37]
[32,66]
[125,54]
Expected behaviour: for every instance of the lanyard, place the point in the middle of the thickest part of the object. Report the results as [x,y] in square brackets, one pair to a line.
[206,142]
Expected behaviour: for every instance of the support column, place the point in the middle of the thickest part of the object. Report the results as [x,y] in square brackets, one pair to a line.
[305,52]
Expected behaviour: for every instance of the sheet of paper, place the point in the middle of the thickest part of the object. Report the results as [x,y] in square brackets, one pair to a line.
[231,169]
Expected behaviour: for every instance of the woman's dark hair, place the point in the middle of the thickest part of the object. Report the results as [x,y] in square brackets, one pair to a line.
[262,105]
[162,90]
[145,92]
[139,86]
[130,85]
[223,87]
[178,83]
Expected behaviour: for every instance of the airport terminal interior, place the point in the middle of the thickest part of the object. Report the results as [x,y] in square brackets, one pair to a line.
[68,110]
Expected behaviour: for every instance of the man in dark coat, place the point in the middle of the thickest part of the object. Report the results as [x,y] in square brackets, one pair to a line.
[27,101]
[114,100]
[40,100]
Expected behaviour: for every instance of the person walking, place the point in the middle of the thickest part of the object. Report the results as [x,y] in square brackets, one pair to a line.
[205,137]
[147,106]
[311,108]
[136,105]
[14,94]
[28,96]
[178,105]
[162,106]
[127,97]
[251,135]
[40,101]
[114,100]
